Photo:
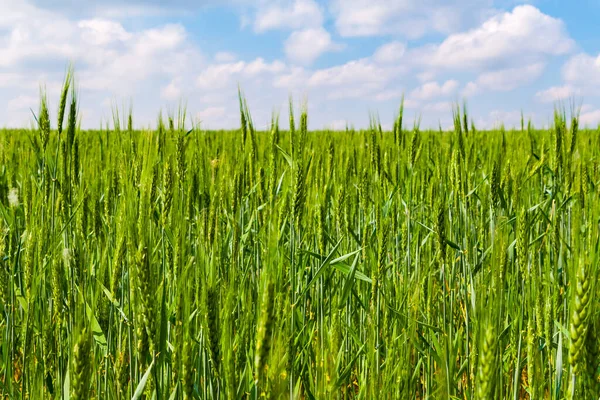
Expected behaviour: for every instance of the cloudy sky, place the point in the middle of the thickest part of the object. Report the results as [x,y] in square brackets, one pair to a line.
[346,58]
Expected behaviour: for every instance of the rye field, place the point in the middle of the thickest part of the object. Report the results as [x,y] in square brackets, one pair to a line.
[179,263]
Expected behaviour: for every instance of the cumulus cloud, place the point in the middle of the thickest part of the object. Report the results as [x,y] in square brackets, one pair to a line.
[581,77]
[22,102]
[295,77]
[150,54]
[389,94]
[156,64]
[470,89]
[102,32]
[524,34]
[299,14]
[172,91]
[111,60]
[106,54]
[409,18]
[433,89]
[582,69]
[556,93]
[504,80]
[131,9]
[510,78]
[590,118]
[362,70]
[362,78]
[70,3]
[390,52]
[218,76]
[305,46]
[440,106]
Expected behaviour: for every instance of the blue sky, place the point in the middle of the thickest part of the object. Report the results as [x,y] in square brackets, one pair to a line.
[344,58]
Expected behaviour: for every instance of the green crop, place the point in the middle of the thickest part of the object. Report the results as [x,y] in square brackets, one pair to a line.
[180,263]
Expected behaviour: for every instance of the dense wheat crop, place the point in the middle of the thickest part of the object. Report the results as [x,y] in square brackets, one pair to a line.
[182,263]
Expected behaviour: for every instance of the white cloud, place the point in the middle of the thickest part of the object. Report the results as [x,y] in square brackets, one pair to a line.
[471,89]
[426,76]
[437,107]
[388,95]
[363,78]
[111,61]
[430,90]
[510,78]
[211,113]
[42,36]
[586,107]
[556,93]
[118,8]
[523,35]
[102,32]
[390,53]
[590,118]
[122,11]
[259,65]
[160,39]
[305,46]
[158,64]
[581,77]
[300,14]
[582,69]
[218,76]
[296,77]
[107,56]
[25,80]
[23,102]
[410,18]
[150,53]
[366,18]
[363,70]
[440,106]
[358,79]
[172,91]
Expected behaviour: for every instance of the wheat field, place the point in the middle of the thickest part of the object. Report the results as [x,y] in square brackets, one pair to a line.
[179,263]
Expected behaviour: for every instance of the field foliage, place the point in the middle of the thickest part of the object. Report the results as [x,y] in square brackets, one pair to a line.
[405,264]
